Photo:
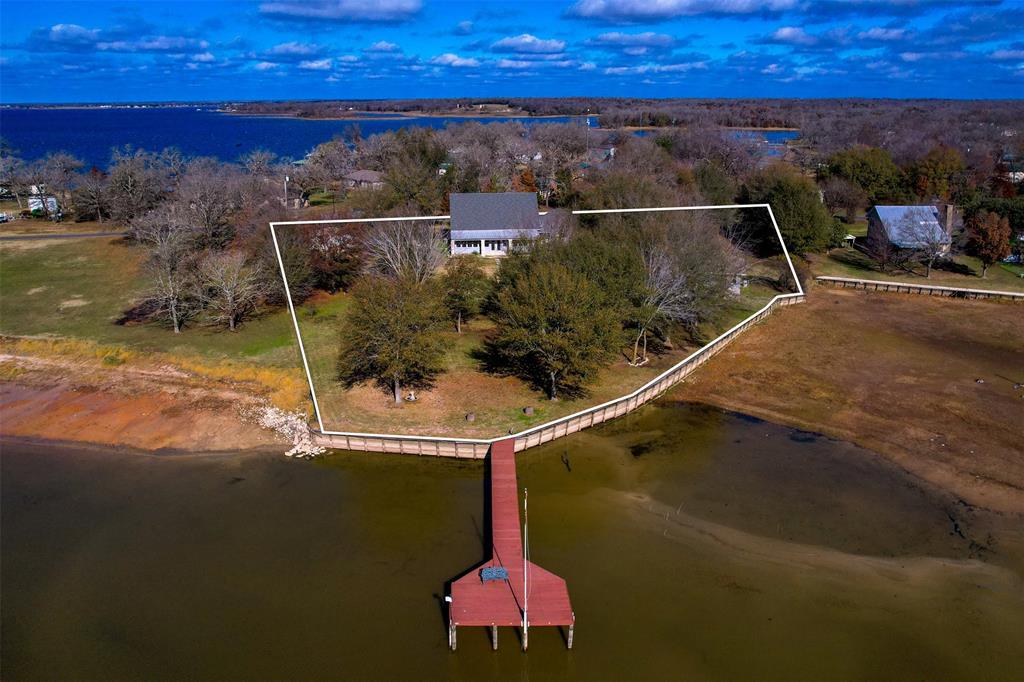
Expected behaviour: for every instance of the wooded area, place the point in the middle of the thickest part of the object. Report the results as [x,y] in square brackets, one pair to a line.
[202,223]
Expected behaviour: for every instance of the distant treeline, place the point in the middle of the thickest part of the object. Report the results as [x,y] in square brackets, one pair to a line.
[901,126]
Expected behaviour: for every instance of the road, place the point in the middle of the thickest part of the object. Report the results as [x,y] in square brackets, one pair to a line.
[60,235]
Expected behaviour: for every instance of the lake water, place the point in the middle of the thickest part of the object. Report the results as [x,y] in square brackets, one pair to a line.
[91,134]
[697,544]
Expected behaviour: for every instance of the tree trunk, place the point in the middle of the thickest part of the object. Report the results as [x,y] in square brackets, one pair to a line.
[984,270]
[636,347]
[398,391]
[553,386]
[458,322]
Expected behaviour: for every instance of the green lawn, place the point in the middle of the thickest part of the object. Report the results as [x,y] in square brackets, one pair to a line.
[79,288]
[496,401]
[963,271]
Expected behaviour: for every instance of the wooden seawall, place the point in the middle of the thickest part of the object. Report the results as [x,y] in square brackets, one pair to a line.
[919,289]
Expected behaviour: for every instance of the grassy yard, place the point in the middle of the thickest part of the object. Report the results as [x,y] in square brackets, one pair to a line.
[27,226]
[496,402]
[79,288]
[962,271]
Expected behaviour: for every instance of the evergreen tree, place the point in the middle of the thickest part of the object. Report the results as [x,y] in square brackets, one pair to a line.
[554,329]
[392,336]
[465,287]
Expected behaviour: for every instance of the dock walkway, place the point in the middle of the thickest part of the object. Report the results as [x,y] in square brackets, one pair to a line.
[495,603]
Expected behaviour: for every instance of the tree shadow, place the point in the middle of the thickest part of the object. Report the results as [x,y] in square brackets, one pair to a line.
[854,259]
[951,266]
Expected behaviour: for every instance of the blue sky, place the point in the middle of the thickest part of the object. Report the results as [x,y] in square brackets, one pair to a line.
[303,49]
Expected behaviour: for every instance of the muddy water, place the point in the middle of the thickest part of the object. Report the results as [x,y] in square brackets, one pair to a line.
[697,545]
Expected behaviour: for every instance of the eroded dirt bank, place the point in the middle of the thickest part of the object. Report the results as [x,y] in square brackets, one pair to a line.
[148,410]
[932,384]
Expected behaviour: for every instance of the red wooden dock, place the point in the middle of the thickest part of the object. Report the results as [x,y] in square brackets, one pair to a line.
[495,603]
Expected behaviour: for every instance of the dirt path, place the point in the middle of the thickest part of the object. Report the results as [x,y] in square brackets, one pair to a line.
[928,383]
[144,409]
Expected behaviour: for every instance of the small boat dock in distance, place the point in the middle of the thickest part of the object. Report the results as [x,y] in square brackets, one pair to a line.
[508,590]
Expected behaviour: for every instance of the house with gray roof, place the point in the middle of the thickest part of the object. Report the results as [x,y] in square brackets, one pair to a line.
[491,223]
[910,227]
[364,178]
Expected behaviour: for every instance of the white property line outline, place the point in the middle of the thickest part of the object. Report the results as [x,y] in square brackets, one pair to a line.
[487,441]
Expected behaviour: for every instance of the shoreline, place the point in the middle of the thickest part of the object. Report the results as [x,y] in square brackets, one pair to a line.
[398,115]
[822,372]
[7,440]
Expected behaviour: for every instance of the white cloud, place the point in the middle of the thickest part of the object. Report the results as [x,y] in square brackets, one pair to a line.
[883,34]
[514,64]
[658,10]
[682,67]
[73,34]
[154,44]
[203,57]
[383,46]
[529,44]
[646,39]
[792,35]
[265,66]
[294,49]
[316,65]
[449,59]
[343,10]
[1008,55]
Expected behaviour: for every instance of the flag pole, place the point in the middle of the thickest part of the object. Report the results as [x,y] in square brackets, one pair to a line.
[526,597]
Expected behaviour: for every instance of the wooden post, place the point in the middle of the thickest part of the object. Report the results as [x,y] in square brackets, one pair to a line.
[494,637]
[451,636]
[525,635]
[569,640]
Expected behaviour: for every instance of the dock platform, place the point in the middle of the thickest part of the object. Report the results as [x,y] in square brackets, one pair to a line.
[541,600]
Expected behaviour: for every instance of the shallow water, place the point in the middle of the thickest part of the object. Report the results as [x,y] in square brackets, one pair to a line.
[695,543]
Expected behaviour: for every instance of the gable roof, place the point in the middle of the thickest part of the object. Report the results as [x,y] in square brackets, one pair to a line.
[365,176]
[512,212]
[911,227]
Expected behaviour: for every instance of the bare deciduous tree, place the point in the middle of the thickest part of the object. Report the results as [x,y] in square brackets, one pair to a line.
[208,193]
[136,184]
[174,290]
[926,240]
[91,197]
[59,173]
[841,194]
[688,268]
[232,287]
[259,162]
[405,250]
